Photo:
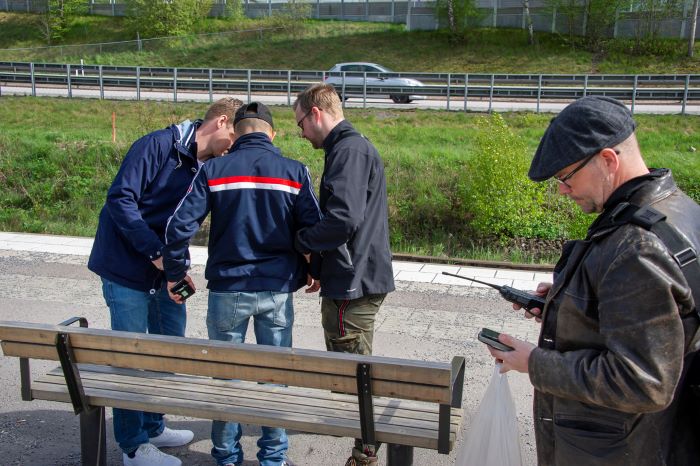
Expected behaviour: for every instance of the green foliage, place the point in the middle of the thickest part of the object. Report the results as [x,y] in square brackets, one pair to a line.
[317,45]
[296,10]
[234,10]
[503,201]
[152,18]
[54,21]
[652,13]
[592,18]
[458,15]
[497,190]
[456,181]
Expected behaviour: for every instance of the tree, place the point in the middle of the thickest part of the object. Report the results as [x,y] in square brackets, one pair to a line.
[651,15]
[530,32]
[693,26]
[458,14]
[54,21]
[597,17]
[156,18]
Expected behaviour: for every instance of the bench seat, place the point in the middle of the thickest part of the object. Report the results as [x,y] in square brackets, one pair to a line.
[403,422]
[400,402]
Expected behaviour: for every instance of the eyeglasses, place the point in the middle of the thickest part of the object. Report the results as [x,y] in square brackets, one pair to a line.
[568,176]
[300,123]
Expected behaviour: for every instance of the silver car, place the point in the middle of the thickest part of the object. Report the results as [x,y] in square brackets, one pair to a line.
[378,83]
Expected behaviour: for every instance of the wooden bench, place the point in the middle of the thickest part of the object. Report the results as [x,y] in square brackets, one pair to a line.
[399,402]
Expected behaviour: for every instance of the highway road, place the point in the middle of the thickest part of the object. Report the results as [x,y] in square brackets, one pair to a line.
[281,100]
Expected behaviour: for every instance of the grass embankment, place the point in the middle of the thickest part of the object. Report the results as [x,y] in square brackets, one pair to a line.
[317,45]
[57,161]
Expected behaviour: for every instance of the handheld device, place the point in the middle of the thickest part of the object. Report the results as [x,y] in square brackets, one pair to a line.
[490,337]
[525,300]
[183,289]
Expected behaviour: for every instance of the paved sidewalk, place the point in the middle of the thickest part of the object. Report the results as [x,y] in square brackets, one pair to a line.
[403,271]
[430,317]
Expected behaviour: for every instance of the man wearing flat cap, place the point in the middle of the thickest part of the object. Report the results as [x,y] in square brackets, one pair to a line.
[258,200]
[613,369]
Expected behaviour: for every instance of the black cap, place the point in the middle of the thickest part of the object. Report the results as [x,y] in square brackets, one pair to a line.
[583,128]
[254,110]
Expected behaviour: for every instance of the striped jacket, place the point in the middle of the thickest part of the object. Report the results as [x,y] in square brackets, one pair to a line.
[258,200]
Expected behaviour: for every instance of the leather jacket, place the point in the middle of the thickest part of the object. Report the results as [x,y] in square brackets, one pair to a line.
[619,332]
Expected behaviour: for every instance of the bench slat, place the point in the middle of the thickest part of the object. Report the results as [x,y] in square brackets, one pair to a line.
[286,397]
[217,384]
[247,395]
[180,399]
[430,373]
[347,384]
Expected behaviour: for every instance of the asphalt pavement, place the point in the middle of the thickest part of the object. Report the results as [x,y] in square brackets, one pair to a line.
[473,104]
[429,317]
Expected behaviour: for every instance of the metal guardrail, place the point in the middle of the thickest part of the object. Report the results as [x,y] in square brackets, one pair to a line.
[664,89]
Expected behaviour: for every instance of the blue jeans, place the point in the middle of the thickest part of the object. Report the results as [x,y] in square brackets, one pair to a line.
[139,311]
[227,320]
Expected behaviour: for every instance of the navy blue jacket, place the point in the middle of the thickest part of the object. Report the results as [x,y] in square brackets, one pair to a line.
[258,201]
[153,177]
[353,237]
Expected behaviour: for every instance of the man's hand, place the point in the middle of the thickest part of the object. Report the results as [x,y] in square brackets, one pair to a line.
[313,285]
[158,263]
[517,359]
[542,290]
[176,297]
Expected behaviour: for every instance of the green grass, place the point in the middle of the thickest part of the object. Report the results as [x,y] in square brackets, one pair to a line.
[57,160]
[317,45]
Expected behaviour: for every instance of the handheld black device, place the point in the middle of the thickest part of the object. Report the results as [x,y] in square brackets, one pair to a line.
[490,337]
[183,289]
[526,300]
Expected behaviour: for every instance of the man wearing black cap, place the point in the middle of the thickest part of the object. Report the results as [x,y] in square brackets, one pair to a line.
[258,200]
[619,335]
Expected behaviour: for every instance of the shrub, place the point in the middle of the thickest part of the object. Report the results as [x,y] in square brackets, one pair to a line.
[172,18]
[503,201]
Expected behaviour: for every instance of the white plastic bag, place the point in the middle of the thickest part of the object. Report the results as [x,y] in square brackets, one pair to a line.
[493,438]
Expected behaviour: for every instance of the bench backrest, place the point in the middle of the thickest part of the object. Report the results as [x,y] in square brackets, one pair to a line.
[391,377]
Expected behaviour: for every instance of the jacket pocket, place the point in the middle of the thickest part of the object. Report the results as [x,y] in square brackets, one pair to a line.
[583,439]
[587,424]
[338,261]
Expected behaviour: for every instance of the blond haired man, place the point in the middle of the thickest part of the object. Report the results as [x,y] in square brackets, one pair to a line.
[352,239]
[127,253]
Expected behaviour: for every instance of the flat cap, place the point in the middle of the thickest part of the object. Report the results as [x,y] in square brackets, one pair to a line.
[253,110]
[583,128]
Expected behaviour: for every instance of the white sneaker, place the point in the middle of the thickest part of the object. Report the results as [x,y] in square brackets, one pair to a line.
[172,438]
[148,455]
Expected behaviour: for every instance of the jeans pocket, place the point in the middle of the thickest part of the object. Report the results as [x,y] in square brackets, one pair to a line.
[221,315]
[283,314]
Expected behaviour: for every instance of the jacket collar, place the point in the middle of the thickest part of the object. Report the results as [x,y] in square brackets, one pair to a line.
[185,138]
[254,141]
[342,130]
[639,191]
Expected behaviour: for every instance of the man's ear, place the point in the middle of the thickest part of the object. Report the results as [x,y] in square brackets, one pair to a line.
[222,121]
[611,159]
[272,135]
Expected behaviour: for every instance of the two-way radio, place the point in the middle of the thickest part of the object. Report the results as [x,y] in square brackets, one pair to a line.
[525,300]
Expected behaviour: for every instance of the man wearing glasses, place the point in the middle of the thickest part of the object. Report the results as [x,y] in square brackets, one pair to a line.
[353,236]
[613,366]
